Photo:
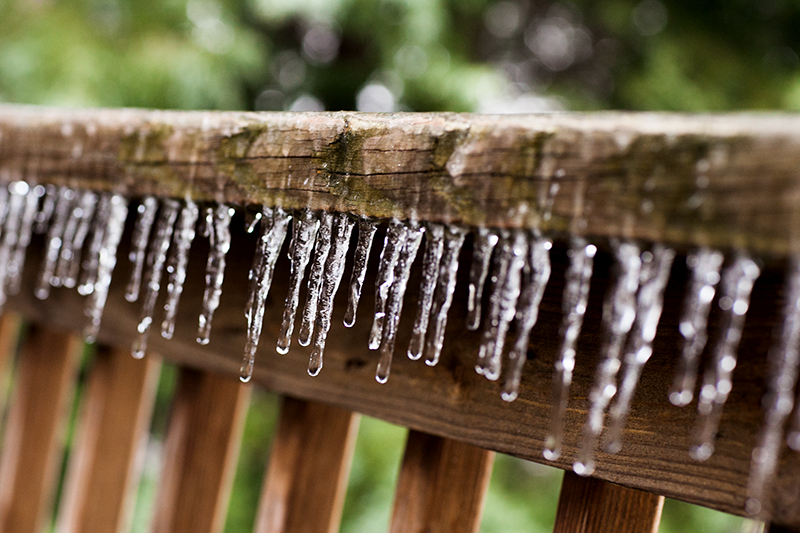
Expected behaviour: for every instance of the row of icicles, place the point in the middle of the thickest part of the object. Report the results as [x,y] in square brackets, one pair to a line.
[84,230]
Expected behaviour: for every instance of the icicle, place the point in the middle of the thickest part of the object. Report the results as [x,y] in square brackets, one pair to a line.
[536,277]
[16,207]
[322,248]
[54,239]
[434,245]
[107,261]
[778,400]
[619,312]
[43,216]
[394,306]
[366,234]
[737,284]
[155,262]
[656,267]
[146,215]
[251,220]
[304,233]
[392,245]
[17,261]
[705,265]
[576,296]
[483,244]
[509,260]
[220,241]
[66,272]
[176,265]
[443,295]
[334,268]
[98,230]
[274,224]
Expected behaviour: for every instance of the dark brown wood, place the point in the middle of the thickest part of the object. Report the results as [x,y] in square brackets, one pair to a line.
[32,443]
[200,453]
[308,469]
[10,324]
[451,400]
[588,505]
[441,487]
[105,462]
[726,180]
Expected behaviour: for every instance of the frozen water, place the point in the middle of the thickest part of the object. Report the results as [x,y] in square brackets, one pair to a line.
[536,276]
[322,248]
[15,209]
[705,265]
[334,269]
[146,216]
[220,241]
[304,233]
[77,227]
[576,296]
[55,235]
[176,264]
[45,213]
[737,284]
[98,230]
[17,259]
[392,246]
[483,244]
[366,234]
[434,246]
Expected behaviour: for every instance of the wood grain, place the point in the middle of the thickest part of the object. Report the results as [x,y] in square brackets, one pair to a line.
[727,180]
[450,399]
[589,505]
[10,324]
[106,461]
[441,487]
[200,453]
[32,443]
[308,469]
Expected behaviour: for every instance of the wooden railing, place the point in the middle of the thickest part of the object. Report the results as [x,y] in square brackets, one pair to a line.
[732,182]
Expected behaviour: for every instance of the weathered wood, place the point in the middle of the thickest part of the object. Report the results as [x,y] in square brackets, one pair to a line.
[10,324]
[105,462]
[308,469]
[726,180]
[32,443]
[441,487]
[589,505]
[200,453]
[451,400]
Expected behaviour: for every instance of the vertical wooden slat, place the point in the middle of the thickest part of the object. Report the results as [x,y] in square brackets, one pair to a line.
[200,453]
[308,469]
[442,486]
[33,437]
[105,461]
[592,505]
[9,334]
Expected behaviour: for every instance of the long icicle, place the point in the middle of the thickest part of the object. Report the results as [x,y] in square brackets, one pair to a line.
[334,269]
[778,401]
[737,284]
[483,243]
[176,264]
[576,296]
[17,261]
[220,242]
[619,312]
[322,248]
[107,261]
[156,258]
[91,262]
[394,306]
[66,272]
[443,295]
[16,208]
[392,245]
[705,265]
[304,233]
[146,216]
[274,224]
[536,277]
[366,234]
[55,233]
[656,268]
[434,246]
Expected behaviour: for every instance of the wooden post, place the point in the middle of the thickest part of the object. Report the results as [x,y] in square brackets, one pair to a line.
[106,460]
[33,436]
[308,470]
[200,454]
[589,505]
[441,487]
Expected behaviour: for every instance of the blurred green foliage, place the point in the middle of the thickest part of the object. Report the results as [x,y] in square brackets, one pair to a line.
[420,55]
